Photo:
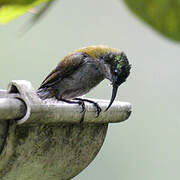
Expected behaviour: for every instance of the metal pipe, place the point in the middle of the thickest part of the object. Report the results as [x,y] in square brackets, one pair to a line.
[52,111]
[11,108]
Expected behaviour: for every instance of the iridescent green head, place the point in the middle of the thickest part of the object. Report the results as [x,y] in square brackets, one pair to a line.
[120,70]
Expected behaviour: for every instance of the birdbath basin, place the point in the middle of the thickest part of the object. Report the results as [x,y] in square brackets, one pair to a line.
[44,139]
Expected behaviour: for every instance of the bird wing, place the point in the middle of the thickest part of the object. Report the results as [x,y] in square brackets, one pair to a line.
[67,66]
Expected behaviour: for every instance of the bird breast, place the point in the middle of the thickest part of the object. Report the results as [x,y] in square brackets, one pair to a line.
[82,80]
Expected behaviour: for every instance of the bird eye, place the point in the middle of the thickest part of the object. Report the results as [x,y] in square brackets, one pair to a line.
[116,72]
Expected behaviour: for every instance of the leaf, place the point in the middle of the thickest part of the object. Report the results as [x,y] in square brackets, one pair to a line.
[10,9]
[162,15]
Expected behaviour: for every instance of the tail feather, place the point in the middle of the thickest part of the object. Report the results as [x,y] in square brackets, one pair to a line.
[44,93]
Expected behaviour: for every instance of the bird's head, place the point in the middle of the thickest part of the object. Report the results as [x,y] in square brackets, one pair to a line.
[119,69]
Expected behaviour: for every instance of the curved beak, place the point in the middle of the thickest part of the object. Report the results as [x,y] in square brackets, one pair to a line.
[114,92]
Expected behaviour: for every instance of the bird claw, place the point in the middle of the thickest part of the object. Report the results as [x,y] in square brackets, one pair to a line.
[98,109]
[81,102]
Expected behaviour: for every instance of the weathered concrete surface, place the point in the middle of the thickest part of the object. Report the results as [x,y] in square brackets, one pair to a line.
[3,134]
[46,152]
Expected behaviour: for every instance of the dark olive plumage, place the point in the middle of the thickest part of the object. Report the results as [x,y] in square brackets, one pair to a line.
[82,70]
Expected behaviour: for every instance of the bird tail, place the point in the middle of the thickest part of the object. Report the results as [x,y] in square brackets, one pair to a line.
[44,93]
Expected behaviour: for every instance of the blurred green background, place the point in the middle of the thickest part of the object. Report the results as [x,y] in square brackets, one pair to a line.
[144,147]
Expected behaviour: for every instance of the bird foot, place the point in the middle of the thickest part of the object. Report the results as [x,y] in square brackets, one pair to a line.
[79,102]
[98,109]
[82,104]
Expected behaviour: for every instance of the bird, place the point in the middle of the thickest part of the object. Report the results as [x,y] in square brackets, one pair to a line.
[83,69]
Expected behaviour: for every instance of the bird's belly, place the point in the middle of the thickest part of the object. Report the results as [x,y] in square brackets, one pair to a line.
[80,82]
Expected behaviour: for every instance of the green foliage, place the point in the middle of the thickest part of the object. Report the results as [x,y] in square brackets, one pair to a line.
[10,9]
[162,15]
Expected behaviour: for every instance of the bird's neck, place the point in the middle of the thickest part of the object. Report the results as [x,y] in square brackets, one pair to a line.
[106,70]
